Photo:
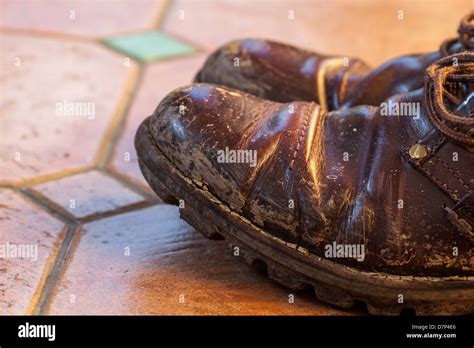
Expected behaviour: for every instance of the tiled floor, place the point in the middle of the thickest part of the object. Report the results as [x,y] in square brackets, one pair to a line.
[77,77]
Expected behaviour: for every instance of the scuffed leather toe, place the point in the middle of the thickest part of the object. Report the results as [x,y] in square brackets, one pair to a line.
[194,126]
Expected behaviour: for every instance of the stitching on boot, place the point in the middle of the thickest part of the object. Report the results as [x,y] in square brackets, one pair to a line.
[444,164]
[441,185]
[300,139]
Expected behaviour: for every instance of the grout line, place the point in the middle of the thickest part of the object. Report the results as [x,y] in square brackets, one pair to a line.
[104,45]
[159,26]
[119,211]
[45,177]
[65,216]
[59,210]
[107,149]
[53,277]
[135,187]
[46,270]
[55,210]
[52,209]
[154,24]
[117,124]
[162,11]
[198,47]
[49,203]
[127,209]
[83,38]
[108,142]
[46,292]
[9,186]
[38,33]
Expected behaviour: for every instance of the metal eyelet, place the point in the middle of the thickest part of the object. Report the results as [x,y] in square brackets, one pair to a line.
[418,151]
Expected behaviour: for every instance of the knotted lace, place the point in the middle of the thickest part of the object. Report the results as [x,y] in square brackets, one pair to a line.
[452,73]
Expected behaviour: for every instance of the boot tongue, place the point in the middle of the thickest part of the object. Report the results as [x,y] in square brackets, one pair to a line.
[449,97]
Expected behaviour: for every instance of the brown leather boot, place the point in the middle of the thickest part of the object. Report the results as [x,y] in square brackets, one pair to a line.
[368,203]
[283,73]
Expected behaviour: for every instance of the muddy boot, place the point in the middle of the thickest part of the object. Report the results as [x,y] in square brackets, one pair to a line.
[283,73]
[373,204]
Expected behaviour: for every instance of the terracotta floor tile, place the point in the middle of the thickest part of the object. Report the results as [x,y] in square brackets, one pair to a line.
[159,79]
[368,28]
[41,135]
[25,226]
[150,46]
[91,18]
[167,261]
[87,194]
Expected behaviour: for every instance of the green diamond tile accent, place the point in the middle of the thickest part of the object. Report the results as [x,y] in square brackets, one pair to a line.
[150,46]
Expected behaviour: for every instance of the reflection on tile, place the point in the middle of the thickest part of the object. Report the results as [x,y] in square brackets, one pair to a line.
[151,262]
